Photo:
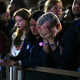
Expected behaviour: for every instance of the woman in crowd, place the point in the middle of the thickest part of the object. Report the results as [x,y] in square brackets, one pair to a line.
[21,18]
[33,43]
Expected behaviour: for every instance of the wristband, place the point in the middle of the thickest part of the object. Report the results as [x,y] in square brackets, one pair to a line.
[45,43]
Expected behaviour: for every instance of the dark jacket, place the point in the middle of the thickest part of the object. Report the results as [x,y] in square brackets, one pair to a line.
[71,41]
[53,59]
[31,55]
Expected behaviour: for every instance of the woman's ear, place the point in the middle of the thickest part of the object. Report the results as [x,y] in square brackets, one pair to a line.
[59,27]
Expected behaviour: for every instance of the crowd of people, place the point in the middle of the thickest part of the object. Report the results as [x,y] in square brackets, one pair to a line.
[41,37]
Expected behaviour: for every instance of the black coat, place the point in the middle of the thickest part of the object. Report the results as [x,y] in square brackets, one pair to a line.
[71,41]
[31,54]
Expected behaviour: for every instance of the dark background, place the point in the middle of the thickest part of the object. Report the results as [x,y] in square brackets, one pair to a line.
[33,3]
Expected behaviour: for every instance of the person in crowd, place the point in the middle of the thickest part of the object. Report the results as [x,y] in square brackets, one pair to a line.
[48,27]
[3,12]
[54,6]
[71,39]
[21,18]
[13,6]
[4,34]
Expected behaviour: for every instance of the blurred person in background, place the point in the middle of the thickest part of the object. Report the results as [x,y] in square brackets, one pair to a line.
[3,12]
[54,6]
[13,6]
[5,37]
[71,38]
[5,40]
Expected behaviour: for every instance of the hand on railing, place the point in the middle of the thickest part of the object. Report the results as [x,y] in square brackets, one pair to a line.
[12,63]
[6,60]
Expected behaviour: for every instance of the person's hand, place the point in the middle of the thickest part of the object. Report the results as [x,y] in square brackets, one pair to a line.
[45,33]
[13,63]
[10,63]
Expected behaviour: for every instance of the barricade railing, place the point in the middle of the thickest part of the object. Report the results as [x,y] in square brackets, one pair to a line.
[17,73]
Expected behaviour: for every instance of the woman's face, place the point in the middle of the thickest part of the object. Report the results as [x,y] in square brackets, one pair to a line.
[56,9]
[33,27]
[20,22]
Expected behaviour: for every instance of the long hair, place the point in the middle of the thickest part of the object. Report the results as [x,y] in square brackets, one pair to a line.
[25,14]
[35,15]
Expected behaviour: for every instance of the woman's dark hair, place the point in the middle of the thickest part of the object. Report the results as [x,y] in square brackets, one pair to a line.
[35,15]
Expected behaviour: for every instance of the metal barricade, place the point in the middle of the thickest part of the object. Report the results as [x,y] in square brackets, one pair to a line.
[39,73]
